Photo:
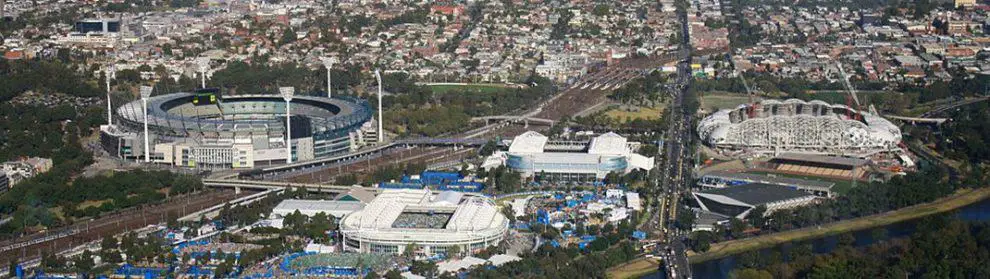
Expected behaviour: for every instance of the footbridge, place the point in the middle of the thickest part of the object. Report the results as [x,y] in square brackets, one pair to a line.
[443,142]
[239,185]
[918,120]
[929,116]
[514,119]
[943,108]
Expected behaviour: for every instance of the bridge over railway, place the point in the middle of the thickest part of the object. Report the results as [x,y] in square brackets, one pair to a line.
[938,110]
[239,185]
[929,116]
[917,120]
[515,119]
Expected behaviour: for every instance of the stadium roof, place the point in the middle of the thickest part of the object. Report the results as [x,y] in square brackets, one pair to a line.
[312,207]
[471,213]
[844,161]
[609,143]
[758,193]
[500,259]
[528,142]
[456,265]
[772,180]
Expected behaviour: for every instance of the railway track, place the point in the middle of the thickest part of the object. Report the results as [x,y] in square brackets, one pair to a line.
[27,248]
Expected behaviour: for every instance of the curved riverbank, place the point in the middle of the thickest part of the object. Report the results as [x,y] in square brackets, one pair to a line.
[639,267]
[955,201]
[961,198]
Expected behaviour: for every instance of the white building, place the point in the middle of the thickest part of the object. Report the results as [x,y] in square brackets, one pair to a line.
[312,207]
[533,154]
[397,219]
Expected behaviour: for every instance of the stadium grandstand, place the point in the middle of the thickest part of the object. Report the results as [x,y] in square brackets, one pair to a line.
[815,127]
[205,130]
[820,166]
[433,222]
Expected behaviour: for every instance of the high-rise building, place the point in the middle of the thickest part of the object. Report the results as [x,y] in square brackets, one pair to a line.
[97,26]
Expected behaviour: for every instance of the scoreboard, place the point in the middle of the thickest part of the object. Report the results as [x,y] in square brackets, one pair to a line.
[206,96]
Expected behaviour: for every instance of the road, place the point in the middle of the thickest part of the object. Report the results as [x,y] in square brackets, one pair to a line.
[675,174]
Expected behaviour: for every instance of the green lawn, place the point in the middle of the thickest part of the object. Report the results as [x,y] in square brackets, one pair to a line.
[646,113]
[724,100]
[470,88]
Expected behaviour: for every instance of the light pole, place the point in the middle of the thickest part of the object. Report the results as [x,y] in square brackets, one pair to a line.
[287,93]
[328,63]
[110,73]
[204,65]
[381,118]
[145,93]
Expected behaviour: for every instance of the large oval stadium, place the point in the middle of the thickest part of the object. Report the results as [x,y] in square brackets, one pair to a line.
[794,125]
[203,129]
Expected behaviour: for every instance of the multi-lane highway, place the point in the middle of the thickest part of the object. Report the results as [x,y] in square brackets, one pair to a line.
[675,174]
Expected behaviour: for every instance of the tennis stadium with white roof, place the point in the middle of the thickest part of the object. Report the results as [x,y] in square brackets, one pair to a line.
[433,222]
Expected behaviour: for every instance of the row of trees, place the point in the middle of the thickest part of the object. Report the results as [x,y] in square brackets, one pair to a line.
[966,136]
[31,200]
[941,247]
[44,77]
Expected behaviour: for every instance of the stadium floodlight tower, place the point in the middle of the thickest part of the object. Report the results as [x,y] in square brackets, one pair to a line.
[328,63]
[204,65]
[381,118]
[145,93]
[287,93]
[110,74]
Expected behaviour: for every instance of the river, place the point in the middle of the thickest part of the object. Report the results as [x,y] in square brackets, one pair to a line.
[720,268]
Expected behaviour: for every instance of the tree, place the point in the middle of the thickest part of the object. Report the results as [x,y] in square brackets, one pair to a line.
[702,241]
[393,274]
[685,220]
[84,262]
[109,242]
[736,227]
[410,250]
[755,216]
[424,268]
[454,251]
[847,239]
